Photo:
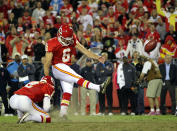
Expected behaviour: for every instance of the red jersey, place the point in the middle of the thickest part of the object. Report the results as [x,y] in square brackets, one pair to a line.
[36,91]
[61,54]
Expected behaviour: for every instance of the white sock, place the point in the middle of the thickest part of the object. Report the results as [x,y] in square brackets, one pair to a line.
[94,87]
[152,110]
[157,109]
[19,113]
[63,111]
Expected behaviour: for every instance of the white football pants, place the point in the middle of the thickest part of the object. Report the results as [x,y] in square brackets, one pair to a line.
[66,75]
[24,104]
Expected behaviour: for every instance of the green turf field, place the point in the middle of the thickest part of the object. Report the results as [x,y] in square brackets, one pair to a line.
[96,123]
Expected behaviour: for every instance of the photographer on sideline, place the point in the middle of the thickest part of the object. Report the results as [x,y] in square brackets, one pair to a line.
[154,78]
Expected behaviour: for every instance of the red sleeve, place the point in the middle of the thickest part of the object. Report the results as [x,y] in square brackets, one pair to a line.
[49,46]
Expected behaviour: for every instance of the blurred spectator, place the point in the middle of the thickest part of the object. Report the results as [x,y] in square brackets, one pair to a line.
[168,71]
[67,8]
[48,18]
[56,5]
[45,4]
[4,79]
[172,33]
[9,37]
[138,63]
[11,20]
[134,44]
[120,51]
[38,12]
[150,68]
[89,33]
[111,16]
[20,26]
[31,5]
[149,4]
[18,44]
[12,68]
[170,15]
[103,2]
[96,41]
[152,34]
[26,19]
[3,49]
[75,24]
[94,7]
[85,19]
[168,48]
[104,70]
[125,78]
[75,94]
[39,50]
[161,29]
[88,72]
[84,5]
[154,16]
[109,46]
[25,71]
[18,11]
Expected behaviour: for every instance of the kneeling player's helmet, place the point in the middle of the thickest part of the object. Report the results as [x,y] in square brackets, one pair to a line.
[48,79]
[65,35]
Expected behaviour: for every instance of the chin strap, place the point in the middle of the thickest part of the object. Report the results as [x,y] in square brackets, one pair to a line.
[59,39]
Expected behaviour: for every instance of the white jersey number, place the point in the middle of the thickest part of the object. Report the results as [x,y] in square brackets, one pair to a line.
[66,55]
[29,85]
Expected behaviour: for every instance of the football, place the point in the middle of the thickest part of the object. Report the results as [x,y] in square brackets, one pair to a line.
[150,46]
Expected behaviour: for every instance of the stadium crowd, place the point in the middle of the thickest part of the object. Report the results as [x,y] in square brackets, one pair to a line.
[116,29]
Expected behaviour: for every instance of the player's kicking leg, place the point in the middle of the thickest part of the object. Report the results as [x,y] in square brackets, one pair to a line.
[65,73]
[67,92]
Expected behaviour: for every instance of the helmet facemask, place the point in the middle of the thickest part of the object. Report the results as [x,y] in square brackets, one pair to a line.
[65,35]
[65,41]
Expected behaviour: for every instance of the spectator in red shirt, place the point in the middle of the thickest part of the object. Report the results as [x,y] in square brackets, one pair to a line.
[20,25]
[4,8]
[58,22]
[67,8]
[48,18]
[26,18]
[11,36]
[84,4]
[149,4]
[172,33]
[152,34]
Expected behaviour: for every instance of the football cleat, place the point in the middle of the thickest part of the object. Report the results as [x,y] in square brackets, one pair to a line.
[104,85]
[21,120]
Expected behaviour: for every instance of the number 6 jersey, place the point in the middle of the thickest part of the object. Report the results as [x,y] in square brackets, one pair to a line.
[61,54]
[36,91]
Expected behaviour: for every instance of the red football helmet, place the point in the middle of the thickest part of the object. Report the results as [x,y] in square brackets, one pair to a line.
[65,35]
[48,79]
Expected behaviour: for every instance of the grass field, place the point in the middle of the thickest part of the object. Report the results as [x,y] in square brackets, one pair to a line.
[95,123]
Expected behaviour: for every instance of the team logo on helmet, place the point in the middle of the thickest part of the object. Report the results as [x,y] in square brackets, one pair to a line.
[48,79]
